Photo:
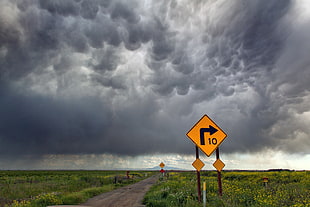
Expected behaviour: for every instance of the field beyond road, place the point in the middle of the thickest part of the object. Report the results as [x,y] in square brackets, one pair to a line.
[240,189]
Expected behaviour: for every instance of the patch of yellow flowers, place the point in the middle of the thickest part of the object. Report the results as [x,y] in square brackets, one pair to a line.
[44,199]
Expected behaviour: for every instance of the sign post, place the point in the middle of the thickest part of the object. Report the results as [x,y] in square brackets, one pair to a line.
[198,164]
[198,176]
[265,181]
[162,165]
[207,136]
[219,179]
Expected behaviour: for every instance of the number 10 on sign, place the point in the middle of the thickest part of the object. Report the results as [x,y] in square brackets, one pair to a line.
[206,135]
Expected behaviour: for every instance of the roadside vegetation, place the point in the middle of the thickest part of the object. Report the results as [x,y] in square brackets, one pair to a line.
[240,189]
[43,188]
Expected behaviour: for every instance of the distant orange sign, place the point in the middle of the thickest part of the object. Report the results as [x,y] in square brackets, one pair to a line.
[206,135]
[162,165]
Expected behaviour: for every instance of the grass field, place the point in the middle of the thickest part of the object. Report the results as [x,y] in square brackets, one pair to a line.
[42,188]
[285,188]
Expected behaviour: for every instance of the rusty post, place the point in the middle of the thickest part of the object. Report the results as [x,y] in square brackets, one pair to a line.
[198,177]
[219,179]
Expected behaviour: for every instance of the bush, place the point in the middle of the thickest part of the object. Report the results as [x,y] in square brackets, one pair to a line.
[45,199]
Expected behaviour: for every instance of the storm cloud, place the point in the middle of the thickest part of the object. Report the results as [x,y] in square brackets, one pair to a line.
[132,77]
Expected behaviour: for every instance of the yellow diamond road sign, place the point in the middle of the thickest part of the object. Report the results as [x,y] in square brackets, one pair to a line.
[198,164]
[219,165]
[162,165]
[206,135]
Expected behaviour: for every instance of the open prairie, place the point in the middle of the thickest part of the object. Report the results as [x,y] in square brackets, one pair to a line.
[240,188]
[43,188]
[284,188]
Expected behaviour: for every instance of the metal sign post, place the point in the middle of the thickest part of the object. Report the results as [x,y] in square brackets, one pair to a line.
[207,136]
[198,177]
[219,179]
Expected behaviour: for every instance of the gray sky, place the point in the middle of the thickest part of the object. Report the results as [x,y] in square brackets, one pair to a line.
[130,78]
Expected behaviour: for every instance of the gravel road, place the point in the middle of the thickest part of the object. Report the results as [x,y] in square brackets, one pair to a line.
[128,196]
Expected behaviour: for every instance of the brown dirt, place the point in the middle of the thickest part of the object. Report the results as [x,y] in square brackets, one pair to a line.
[128,196]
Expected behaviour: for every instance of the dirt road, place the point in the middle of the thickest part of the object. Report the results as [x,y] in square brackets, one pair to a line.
[128,196]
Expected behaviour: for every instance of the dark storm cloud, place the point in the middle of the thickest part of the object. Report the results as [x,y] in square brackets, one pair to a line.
[58,7]
[34,124]
[131,77]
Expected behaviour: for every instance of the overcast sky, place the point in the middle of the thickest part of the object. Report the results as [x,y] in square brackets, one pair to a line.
[98,79]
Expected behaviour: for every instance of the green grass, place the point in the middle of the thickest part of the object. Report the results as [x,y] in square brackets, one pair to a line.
[82,196]
[178,190]
[240,189]
[42,188]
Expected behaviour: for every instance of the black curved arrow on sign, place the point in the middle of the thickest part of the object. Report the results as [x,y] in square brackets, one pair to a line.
[211,130]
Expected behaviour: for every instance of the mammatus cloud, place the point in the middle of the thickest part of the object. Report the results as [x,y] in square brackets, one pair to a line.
[132,77]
